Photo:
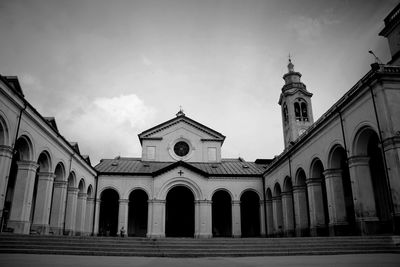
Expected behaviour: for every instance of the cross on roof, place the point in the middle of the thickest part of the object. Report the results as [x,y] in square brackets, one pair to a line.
[180,172]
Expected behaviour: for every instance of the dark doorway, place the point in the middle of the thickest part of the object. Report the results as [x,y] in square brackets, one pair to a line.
[179,221]
[137,220]
[221,214]
[250,214]
[109,207]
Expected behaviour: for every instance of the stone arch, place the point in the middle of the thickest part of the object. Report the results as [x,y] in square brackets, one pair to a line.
[71,179]
[221,189]
[277,190]
[180,181]
[112,188]
[277,210]
[24,148]
[300,178]
[44,161]
[250,213]
[138,212]
[338,164]
[268,194]
[82,186]
[4,132]
[89,191]
[252,190]
[319,212]
[369,170]
[59,172]
[221,213]
[287,184]
[109,210]
[146,190]
[180,211]
[360,138]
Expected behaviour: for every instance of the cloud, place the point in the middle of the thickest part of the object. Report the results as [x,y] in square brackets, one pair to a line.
[108,127]
[307,29]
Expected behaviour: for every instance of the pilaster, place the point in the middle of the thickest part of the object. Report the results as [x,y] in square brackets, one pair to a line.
[5,165]
[236,221]
[301,210]
[70,216]
[203,223]
[270,218]
[43,203]
[278,216]
[288,216]
[22,198]
[123,215]
[80,214]
[57,214]
[89,216]
[157,229]
[316,207]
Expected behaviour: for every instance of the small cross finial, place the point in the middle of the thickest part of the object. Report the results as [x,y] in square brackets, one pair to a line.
[290,59]
[180,112]
[180,172]
[290,65]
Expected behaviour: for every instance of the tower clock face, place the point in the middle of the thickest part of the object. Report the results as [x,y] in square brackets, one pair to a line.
[181,148]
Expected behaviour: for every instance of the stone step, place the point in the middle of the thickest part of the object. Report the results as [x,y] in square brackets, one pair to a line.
[189,247]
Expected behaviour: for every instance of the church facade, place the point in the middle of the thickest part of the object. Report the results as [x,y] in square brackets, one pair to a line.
[338,175]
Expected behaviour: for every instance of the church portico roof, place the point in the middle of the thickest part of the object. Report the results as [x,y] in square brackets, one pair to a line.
[137,167]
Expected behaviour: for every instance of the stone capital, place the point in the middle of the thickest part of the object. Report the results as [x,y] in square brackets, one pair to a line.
[73,190]
[314,181]
[61,184]
[82,195]
[46,176]
[268,201]
[6,151]
[299,189]
[203,202]
[235,202]
[358,161]
[123,201]
[90,199]
[156,201]
[331,173]
[286,194]
[276,198]
[27,165]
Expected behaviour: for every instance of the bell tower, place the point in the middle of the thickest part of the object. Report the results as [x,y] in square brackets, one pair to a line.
[295,102]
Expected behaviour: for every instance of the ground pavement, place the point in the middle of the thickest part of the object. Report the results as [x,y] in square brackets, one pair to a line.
[364,260]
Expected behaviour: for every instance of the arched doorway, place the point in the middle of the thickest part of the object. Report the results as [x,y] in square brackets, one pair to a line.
[137,215]
[368,145]
[339,161]
[250,214]
[109,207]
[221,214]
[179,221]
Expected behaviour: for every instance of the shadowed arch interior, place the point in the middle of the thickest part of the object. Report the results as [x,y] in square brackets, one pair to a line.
[137,214]
[179,219]
[221,214]
[109,208]
[250,214]
[317,172]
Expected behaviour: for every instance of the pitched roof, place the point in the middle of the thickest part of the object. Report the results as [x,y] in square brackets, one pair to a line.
[135,166]
[181,118]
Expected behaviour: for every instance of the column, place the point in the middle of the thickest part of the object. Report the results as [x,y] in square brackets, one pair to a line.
[236,223]
[80,214]
[270,218]
[392,152]
[96,217]
[300,210]
[72,199]
[89,216]
[203,222]
[367,221]
[338,223]
[277,216]
[157,229]
[22,198]
[288,218]
[123,215]
[316,207]
[43,203]
[5,165]
[58,207]
[262,218]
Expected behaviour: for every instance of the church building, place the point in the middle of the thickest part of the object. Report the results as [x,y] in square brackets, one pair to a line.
[339,175]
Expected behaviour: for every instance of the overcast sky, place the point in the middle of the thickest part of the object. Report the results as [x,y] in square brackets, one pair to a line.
[108,70]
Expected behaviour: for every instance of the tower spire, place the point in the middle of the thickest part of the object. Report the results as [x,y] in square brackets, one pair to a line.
[290,65]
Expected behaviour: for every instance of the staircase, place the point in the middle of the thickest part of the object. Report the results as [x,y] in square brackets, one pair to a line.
[189,247]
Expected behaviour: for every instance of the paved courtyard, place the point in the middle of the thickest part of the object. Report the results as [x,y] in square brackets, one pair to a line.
[369,260]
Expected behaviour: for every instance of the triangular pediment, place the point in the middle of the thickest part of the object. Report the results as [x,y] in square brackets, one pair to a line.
[190,125]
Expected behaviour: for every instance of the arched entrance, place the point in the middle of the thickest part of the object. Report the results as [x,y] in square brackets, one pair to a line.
[250,214]
[109,207]
[179,219]
[221,214]
[137,215]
